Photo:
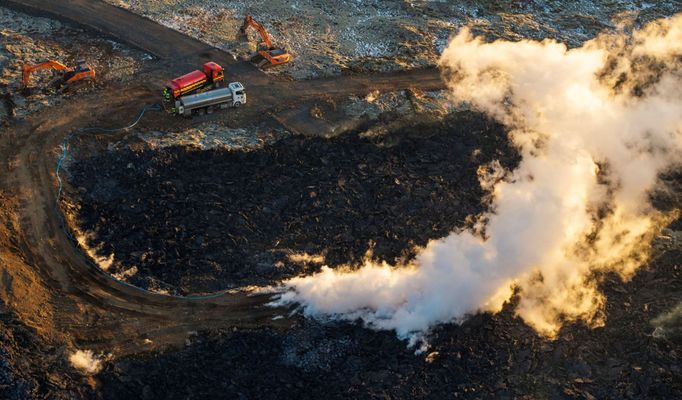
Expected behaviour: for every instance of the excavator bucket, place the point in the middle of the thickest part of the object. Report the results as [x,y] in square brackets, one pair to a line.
[25,75]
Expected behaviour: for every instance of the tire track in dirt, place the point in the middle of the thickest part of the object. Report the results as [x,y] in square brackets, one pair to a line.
[90,307]
[86,306]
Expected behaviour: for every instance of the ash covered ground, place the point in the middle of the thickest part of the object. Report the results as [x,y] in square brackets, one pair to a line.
[321,198]
[200,221]
[489,356]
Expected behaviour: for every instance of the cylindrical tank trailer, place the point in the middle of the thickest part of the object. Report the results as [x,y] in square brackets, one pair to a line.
[233,95]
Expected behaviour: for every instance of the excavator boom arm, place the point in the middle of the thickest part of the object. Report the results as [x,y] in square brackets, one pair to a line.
[249,21]
[28,69]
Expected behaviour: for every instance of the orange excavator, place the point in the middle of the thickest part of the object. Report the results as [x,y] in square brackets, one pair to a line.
[267,54]
[66,77]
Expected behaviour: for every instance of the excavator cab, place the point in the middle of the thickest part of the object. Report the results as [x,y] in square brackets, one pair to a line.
[269,58]
[214,72]
[82,66]
[278,56]
[267,54]
[75,78]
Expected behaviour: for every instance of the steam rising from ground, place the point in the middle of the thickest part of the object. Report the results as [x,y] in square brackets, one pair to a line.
[669,324]
[86,361]
[595,126]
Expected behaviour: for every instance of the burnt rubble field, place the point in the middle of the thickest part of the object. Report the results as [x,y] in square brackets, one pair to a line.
[373,160]
[201,221]
[333,197]
[489,356]
[486,357]
[32,368]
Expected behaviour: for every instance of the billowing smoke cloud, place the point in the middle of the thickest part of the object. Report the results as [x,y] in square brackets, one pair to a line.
[595,126]
[86,361]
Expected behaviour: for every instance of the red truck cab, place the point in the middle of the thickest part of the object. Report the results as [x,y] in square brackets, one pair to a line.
[211,75]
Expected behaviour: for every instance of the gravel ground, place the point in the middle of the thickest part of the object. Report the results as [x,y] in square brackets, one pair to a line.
[327,37]
[210,136]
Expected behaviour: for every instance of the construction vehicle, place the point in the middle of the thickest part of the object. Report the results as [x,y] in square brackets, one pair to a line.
[267,54]
[211,76]
[66,77]
[206,102]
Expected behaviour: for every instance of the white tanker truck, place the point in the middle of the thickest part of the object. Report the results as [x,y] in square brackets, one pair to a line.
[233,95]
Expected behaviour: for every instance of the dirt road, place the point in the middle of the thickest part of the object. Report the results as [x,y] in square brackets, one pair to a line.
[117,23]
[55,287]
[48,280]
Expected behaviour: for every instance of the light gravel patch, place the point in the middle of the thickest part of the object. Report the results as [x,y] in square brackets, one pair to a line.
[213,136]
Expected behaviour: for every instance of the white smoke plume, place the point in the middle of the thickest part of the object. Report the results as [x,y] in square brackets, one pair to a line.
[595,126]
[86,361]
[669,324]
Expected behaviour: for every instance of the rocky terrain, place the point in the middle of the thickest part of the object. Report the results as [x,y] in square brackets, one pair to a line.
[28,39]
[200,221]
[634,355]
[32,368]
[328,37]
[489,356]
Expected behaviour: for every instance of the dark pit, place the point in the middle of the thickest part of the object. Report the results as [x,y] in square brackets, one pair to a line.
[200,221]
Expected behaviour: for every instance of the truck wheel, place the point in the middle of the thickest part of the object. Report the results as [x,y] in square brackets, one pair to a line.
[237,104]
